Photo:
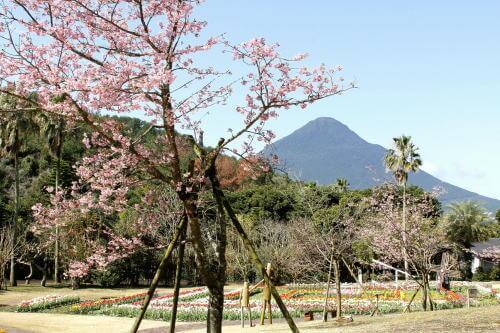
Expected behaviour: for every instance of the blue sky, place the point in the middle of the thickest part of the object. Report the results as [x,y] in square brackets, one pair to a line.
[429,69]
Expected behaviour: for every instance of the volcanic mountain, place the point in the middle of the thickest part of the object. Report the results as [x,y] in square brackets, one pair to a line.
[325,149]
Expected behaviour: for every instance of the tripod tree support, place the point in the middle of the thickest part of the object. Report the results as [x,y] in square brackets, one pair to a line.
[159,271]
[178,275]
[258,263]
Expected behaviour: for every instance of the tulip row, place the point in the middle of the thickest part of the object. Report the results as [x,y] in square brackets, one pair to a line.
[46,302]
[89,306]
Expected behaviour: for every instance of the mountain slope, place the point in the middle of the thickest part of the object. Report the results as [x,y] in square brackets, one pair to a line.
[325,149]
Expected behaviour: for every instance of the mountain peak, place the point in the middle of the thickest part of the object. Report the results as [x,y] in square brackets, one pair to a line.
[327,130]
[326,123]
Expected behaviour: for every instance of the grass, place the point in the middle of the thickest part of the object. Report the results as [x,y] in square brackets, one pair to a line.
[486,319]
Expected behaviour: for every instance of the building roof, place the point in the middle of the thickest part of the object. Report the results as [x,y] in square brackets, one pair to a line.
[479,247]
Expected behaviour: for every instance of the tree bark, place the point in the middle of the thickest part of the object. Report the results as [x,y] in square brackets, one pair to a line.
[258,263]
[215,307]
[424,293]
[157,276]
[178,276]
[216,298]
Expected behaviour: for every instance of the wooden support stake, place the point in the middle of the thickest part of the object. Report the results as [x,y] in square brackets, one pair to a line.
[159,272]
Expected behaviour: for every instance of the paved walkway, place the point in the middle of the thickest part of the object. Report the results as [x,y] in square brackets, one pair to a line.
[53,323]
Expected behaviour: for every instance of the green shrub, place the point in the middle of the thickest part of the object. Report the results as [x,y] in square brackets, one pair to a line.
[112,276]
[495,273]
[480,275]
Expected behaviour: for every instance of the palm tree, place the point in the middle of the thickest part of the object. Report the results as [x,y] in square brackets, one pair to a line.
[402,160]
[15,126]
[53,131]
[341,184]
[468,222]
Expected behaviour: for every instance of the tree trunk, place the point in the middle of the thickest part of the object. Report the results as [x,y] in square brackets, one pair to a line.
[405,256]
[428,299]
[216,297]
[27,278]
[325,307]
[215,307]
[424,293]
[58,172]
[13,281]
[75,283]
[178,276]
[336,269]
[258,263]
[56,257]
[210,276]
[44,272]
[158,274]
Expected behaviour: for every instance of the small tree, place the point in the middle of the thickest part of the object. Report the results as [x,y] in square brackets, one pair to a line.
[332,241]
[423,237]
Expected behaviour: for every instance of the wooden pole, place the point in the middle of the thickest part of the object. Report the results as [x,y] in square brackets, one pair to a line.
[178,275]
[356,279]
[407,308]
[159,271]
[258,263]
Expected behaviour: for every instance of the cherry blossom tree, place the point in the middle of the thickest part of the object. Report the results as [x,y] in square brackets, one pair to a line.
[88,58]
[423,238]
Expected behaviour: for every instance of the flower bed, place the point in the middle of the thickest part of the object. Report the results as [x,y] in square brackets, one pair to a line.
[184,295]
[87,307]
[193,302]
[46,302]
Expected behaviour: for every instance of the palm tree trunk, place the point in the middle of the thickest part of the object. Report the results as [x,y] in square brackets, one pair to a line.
[13,281]
[178,276]
[405,257]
